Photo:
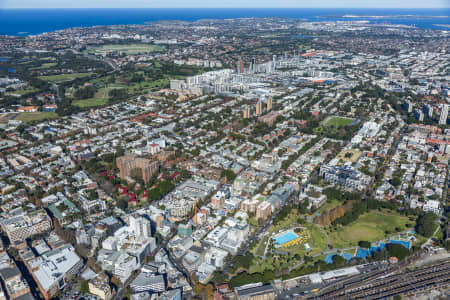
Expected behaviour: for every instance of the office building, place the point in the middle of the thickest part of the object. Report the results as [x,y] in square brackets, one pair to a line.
[148,282]
[185,230]
[53,270]
[140,225]
[22,226]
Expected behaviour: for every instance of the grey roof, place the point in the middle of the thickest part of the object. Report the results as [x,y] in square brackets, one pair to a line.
[27,296]
[146,279]
[253,291]
[9,272]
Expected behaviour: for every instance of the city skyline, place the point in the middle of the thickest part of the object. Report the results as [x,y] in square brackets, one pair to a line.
[10,4]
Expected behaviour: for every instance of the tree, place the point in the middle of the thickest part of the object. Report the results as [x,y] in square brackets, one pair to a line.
[84,287]
[425,224]
[396,181]
[398,251]
[229,175]
[364,244]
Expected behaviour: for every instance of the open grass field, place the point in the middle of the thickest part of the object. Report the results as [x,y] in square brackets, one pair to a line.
[262,246]
[45,66]
[23,92]
[143,87]
[36,116]
[329,205]
[337,121]
[65,77]
[317,242]
[100,99]
[92,102]
[128,49]
[371,227]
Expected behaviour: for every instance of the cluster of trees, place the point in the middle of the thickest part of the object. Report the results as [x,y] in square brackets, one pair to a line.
[117,95]
[342,133]
[65,108]
[284,212]
[391,250]
[162,189]
[85,93]
[246,278]
[242,261]
[426,224]
[261,129]
[228,174]
[137,77]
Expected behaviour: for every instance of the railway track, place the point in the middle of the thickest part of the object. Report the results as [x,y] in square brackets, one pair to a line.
[390,282]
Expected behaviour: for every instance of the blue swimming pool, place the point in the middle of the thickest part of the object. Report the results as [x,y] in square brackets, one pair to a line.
[285,238]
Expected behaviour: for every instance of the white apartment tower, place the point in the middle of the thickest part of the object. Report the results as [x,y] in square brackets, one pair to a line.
[444,114]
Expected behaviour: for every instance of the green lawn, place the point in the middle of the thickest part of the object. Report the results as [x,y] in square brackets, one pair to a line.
[368,227]
[45,66]
[338,121]
[100,99]
[317,242]
[92,102]
[329,205]
[262,246]
[65,77]
[128,49]
[36,116]
[23,92]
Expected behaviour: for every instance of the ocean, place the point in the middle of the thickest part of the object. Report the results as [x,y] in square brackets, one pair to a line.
[35,21]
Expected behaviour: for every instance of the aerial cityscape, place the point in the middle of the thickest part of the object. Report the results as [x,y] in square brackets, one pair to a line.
[224,153]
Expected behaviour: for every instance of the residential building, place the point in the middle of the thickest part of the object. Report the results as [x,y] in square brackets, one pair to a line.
[444,114]
[99,286]
[130,162]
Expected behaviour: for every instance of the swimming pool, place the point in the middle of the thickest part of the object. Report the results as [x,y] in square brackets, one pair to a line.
[285,238]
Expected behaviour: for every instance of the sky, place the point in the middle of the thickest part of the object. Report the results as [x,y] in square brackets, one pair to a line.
[224,4]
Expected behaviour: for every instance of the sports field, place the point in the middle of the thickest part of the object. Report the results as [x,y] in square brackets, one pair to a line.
[128,49]
[65,77]
[371,227]
[337,121]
